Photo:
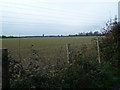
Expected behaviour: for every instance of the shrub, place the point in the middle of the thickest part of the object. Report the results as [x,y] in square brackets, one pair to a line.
[110,45]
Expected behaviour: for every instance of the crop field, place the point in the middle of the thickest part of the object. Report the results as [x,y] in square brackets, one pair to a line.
[48,49]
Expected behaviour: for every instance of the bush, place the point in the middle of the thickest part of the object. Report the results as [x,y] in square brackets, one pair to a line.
[79,73]
[110,45]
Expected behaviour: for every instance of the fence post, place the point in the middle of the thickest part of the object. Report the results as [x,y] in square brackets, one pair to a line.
[5,69]
[0,69]
[68,46]
[98,48]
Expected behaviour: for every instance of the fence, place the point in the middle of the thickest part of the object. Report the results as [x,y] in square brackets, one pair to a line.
[4,64]
[69,50]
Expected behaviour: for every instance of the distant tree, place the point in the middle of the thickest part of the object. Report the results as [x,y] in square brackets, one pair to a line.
[3,36]
[90,33]
[96,33]
[80,34]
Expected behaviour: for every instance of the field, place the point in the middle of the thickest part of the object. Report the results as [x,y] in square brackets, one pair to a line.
[43,63]
[49,49]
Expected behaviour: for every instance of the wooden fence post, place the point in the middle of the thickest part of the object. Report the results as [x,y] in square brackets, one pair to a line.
[68,46]
[0,69]
[98,48]
[5,69]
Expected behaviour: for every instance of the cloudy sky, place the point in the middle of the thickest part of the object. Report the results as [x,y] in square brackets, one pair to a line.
[55,17]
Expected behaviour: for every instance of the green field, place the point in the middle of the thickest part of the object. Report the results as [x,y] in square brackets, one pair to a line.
[48,49]
[44,63]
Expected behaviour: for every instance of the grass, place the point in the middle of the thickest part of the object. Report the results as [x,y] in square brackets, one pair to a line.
[51,49]
[46,46]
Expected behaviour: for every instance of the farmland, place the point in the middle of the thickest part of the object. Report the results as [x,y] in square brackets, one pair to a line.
[42,63]
[49,48]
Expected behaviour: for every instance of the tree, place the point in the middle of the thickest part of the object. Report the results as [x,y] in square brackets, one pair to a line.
[96,33]
[110,46]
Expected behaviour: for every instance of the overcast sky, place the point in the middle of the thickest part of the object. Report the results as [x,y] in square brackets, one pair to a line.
[55,17]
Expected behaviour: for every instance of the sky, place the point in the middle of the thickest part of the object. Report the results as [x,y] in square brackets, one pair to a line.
[55,17]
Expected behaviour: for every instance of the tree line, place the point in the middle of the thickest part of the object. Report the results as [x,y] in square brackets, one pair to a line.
[96,33]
